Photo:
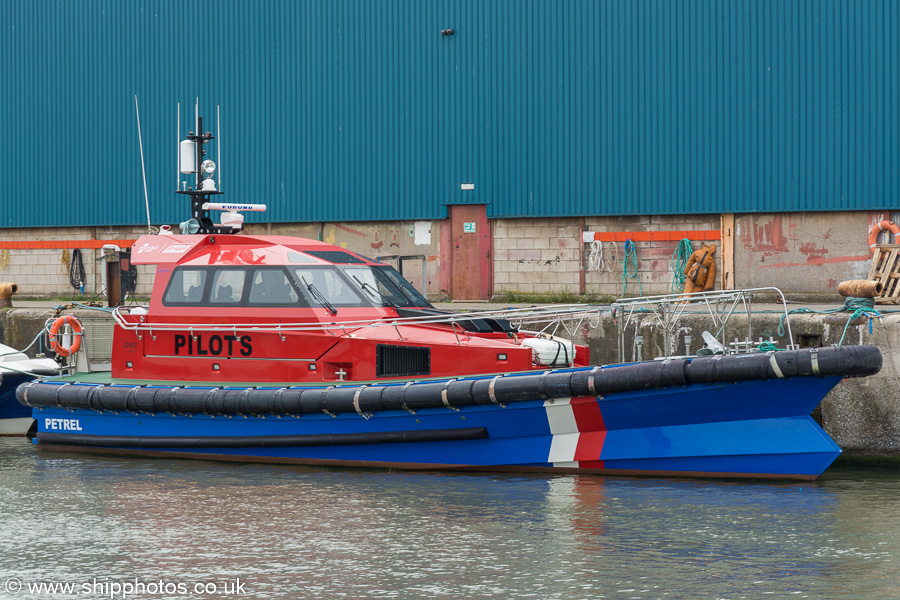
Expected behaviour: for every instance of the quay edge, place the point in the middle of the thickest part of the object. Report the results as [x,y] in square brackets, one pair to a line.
[861,414]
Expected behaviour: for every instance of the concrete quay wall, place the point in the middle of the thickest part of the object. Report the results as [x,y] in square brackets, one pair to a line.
[861,414]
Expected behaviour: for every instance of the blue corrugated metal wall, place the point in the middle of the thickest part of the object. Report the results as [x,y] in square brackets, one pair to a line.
[361,110]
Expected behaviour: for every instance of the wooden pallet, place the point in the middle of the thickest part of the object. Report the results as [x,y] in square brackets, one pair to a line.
[886,269]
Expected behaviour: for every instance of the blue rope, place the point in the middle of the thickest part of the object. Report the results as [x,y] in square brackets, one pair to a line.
[630,256]
[677,263]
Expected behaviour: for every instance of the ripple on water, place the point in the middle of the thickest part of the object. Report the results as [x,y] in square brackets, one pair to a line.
[294,532]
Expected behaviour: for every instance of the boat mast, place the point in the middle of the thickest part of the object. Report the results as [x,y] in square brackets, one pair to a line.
[191,161]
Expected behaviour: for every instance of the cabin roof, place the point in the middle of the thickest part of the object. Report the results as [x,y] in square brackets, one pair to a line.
[237,250]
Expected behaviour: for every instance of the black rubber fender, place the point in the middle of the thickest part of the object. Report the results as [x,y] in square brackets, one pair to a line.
[846,361]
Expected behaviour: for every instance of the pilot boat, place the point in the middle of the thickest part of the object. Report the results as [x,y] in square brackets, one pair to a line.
[280,349]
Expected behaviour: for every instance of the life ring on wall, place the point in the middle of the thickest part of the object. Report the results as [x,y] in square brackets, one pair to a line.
[56,346]
[878,228]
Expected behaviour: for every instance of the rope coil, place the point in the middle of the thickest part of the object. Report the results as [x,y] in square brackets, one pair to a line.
[677,263]
[76,271]
[596,260]
[630,267]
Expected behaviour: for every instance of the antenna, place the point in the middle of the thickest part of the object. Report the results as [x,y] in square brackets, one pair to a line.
[219,146]
[191,153]
[143,170]
[177,146]
[198,130]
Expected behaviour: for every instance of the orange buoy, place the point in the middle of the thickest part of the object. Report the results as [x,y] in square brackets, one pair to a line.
[878,228]
[58,347]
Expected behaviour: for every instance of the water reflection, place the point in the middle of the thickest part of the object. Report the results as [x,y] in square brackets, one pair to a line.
[294,532]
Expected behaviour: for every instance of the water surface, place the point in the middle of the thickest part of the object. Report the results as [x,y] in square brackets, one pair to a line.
[296,532]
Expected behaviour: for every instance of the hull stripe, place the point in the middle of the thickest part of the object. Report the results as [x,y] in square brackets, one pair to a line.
[578,431]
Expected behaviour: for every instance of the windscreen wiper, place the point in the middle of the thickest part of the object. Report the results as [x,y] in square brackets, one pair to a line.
[320,298]
[373,292]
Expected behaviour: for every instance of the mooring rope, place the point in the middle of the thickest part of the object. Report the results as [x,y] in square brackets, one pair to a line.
[857,307]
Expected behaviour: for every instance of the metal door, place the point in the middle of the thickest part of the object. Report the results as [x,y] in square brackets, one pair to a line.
[471,257]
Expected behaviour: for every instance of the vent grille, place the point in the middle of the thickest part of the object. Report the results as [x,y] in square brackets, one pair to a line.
[396,361]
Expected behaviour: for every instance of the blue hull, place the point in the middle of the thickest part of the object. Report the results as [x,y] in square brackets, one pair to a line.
[750,428]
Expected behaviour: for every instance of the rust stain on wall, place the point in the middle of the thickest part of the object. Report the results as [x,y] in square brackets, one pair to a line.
[767,236]
[820,260]
[810,250]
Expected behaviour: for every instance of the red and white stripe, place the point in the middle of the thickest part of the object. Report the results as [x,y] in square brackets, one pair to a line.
[578,432]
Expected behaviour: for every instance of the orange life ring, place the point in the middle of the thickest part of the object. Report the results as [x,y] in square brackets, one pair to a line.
[76,330]
[878,228]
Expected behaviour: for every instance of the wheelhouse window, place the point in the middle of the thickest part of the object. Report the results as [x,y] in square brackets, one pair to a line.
[382,289]
[326,283]
[406,288]
[272,287]
[228,286]
[186,287]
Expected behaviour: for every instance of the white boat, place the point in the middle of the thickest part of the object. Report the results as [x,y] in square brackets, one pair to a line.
[15,369]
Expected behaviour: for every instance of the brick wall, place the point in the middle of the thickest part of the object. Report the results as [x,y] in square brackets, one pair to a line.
[537,255]
[45,271]
[548,255]
[654,257]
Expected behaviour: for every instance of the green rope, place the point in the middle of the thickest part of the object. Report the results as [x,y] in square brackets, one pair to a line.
[630,256]
[861,307]
[858,307]
[677,263]
[767,347]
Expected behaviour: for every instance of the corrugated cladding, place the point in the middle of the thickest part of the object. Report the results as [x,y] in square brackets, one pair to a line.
[348,110]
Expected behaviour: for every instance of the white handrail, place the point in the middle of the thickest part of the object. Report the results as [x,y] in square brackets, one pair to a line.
[519,316]
[522,315]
